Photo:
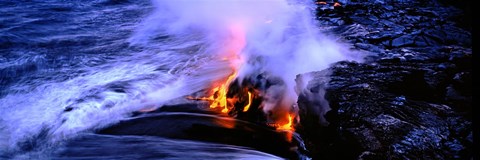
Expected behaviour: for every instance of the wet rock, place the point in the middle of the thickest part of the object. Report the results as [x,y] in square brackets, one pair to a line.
[386,110]
[377,36]
[457,36]
[337,21]
[403,41]
[424,41]
[209,128]
[412,100]
[459,92]
[368,47]
[399,23]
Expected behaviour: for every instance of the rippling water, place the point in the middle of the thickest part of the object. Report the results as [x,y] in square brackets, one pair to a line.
[69,67]
[95,146]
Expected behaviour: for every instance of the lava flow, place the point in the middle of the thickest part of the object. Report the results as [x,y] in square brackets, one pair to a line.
[218,98]
[218,95]
[287,126]
[237,99]
[249,102]
[232,50]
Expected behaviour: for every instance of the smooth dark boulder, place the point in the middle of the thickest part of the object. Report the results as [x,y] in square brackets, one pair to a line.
[209,128]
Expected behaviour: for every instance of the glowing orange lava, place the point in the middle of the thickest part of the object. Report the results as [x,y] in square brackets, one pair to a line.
[233,46]
[250,97]
[147,109]
[219,98]
[218,94]
[231,51]
[287,126]
[336,4]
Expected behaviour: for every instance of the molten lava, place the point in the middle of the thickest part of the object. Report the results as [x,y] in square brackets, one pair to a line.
[288,126]
[250,97]
[219,98]
[231,51]
[336,4]
[281,121]
[218,94]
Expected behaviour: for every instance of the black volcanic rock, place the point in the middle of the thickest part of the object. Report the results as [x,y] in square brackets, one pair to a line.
[411,99]
[208,128]
[388,110]
[396,24]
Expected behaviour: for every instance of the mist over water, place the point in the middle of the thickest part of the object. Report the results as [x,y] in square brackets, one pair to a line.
[108,59]
[278,37]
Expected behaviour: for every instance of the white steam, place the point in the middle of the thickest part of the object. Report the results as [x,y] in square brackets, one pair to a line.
[274,36]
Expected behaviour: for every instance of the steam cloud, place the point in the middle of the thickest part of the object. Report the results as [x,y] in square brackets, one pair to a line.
[279,37]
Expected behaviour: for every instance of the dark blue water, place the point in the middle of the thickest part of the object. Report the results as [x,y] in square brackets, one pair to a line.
[51,41]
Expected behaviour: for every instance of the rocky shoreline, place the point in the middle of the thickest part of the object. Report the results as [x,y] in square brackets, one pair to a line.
[410,99]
